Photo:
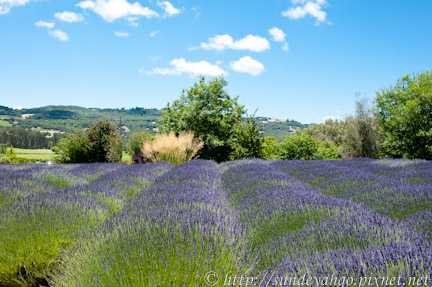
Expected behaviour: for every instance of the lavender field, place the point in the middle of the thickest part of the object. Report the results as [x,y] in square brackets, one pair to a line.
[203,224]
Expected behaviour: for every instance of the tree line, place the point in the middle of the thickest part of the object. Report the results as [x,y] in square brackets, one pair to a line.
[397,124]
[22,138]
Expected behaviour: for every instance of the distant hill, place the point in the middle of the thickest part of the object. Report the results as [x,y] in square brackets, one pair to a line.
[67,119]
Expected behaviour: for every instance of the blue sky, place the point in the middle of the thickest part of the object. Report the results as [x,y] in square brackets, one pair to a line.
[291,59]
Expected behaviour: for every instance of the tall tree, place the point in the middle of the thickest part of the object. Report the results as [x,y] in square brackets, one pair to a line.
[207,110]
[361,137]
[405,117]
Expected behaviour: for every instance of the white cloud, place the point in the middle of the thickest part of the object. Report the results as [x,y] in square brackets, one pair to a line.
[277,34]
[121,34]
[193,69]
[133,21]
[312,8]
[6,5]
[111,10]
[154,33]
[44,24]
[18,108]
[59,35]
[248,65]
[69,17]
[169,9]
[285,47]
[223,42]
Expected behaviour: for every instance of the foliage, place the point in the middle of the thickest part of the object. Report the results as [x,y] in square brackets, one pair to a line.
[247,140]
[361,137]
[171,148]
[330,130]
[4,159]
[207,110]
[270,148]
[101,143]
[327,150]
[405,117]
[298,146]
[10,153]
[135,143]
[104,142]
[3,148]
[74,148]
[28,139]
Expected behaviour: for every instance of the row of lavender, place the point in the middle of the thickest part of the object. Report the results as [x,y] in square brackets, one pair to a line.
[158,225]
[172,234]
[297,231]
[46,211]
[400,190]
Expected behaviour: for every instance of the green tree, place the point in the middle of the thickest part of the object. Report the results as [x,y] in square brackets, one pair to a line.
[405,117]
[270,148]
[327,150]
[209,112]
[298,146]
[74,148]
[105,144]
[136,141]
[101,143]
[247,140]
[330,130]
[361,137]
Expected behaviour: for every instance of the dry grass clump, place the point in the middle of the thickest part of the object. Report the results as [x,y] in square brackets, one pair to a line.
[173,149]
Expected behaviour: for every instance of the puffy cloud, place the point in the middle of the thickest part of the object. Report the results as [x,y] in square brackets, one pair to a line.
[111,10]
[69,17]
[193,69]
[248,65]
[169,9]
[223,42]
[277,34]
[6,5]
[44,24]
[121,34]
[307,7]
[59,35]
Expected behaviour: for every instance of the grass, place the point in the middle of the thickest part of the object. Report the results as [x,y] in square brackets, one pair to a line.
[4,124]
[35,154]
[126,157]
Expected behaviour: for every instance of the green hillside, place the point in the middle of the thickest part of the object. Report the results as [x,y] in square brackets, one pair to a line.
[67,119]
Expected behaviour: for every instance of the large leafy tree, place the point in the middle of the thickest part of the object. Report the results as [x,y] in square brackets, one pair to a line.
[405,117]
[208,110]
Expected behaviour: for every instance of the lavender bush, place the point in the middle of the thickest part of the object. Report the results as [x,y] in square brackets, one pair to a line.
[159,225]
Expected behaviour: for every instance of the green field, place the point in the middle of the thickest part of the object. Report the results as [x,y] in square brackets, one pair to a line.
[4,124]
[46,154]
[35,154]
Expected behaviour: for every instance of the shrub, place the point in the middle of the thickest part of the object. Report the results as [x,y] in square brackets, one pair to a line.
[101,143]
[10,153]
[133,147]
[327,150]
[298,146]
[4,159]
[270,148]
[173,149]
[247,141]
